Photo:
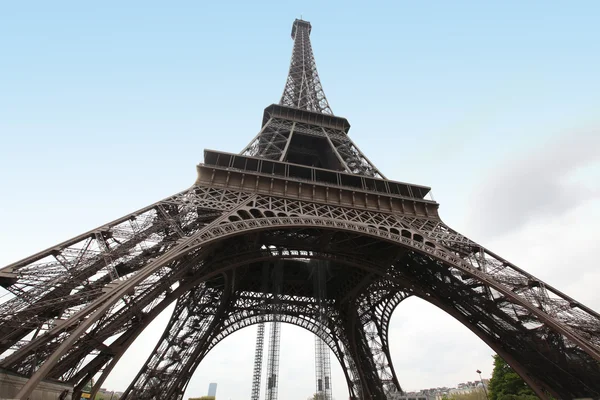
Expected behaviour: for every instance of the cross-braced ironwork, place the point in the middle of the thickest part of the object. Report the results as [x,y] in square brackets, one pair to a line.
[260,339]
[299,193]
[303,87]
[258,353]
[272,389]
[322,361]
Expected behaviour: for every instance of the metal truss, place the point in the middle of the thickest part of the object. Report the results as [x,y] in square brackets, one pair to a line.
[547,323]
[303,87]
[193,321]
[164,375]
[260,338]
[258,352]
[322,369]
[274,142]
[322,361]
[272,384]
[78,306]
[55,284]
[375,306]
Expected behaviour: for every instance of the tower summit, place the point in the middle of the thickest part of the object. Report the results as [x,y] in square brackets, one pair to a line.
[300,24]
[303,88]
[232,251]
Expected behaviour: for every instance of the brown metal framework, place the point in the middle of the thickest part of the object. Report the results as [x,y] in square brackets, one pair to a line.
[303,87]
[301,190]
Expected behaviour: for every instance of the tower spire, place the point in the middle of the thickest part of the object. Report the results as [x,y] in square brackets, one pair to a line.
[303,88]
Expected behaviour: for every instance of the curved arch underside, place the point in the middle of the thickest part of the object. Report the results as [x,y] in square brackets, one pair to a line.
[207,248]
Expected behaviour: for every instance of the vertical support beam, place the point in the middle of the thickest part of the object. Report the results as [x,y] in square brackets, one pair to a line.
[258,352]
[369,385]
[275,336]
[196,317]
[322,362]
[287,144]
[375,322]
[322,369]
[247,150]
[260,339]
[336,152]
[303,88]
[347,362]
[273,360]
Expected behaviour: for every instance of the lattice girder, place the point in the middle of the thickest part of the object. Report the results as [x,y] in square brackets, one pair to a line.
[375,305]
[340,213]
[303,313]
[523,347]
[44,300]
[194,319]
[113,324]
[303,88]
[494,278]
[274,142]
[244,309]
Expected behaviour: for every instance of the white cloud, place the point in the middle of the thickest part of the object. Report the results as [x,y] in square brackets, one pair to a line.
[537,184]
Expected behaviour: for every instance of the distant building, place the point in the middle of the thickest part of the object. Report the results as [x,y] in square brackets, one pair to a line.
[212,389]
[212,393]
[440,392]
[409,396]
[469,387]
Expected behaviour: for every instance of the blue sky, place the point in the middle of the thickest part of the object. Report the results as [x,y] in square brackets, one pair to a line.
[105,108]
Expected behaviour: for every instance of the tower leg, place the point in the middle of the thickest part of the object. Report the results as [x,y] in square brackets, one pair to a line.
[356,359]
[370,383]
[194,321]
[377,303]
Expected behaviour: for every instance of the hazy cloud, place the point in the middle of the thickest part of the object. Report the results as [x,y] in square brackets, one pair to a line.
[536,184]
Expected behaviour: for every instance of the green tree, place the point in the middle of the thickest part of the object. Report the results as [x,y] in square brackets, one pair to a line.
[506,384]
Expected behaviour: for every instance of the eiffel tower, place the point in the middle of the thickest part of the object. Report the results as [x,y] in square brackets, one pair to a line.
[242,246]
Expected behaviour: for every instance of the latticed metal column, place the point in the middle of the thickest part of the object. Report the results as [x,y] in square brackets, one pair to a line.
[258,352]
[260,338]
[322,362]
[303,87]
[322,369]
[274,336]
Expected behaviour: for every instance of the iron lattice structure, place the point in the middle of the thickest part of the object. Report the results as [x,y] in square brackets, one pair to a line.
[272,388]
[303,87]
[301,190]
[258,352]
[260,339]
[322,361]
